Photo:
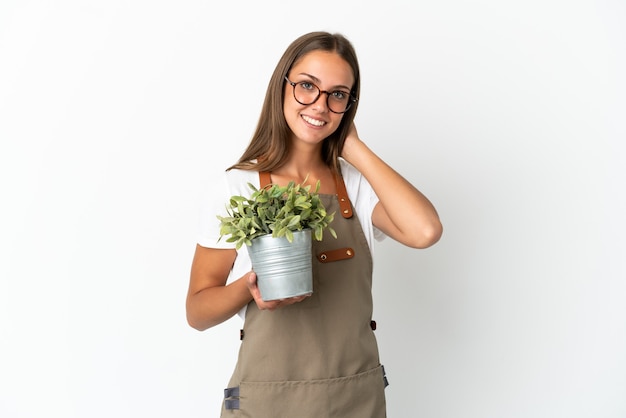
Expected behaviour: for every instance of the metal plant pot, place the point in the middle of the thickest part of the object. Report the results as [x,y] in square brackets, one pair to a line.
[283,268]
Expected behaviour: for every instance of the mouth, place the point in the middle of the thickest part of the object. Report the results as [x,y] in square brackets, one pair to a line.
[314,122]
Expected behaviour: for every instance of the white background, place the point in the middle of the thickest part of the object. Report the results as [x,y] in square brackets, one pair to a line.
[509,116]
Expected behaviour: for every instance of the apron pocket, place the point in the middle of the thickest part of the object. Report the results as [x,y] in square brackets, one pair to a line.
[358,396]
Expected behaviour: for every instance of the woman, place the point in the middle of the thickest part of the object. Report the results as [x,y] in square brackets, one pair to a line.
[310,356]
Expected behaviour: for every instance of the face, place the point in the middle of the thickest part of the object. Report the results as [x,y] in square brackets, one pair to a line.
[314,122]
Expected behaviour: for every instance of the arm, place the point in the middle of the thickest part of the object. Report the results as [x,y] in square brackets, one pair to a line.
[403,212]
[210,301]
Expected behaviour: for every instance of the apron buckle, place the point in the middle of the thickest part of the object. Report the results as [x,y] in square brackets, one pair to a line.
[231,398]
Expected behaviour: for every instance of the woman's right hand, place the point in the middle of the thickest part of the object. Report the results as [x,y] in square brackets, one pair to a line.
[210,301]
[272,304]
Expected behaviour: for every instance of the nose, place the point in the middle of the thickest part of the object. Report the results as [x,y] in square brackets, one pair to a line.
[321,104]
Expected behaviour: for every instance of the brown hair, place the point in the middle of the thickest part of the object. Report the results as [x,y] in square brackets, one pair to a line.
[270,144]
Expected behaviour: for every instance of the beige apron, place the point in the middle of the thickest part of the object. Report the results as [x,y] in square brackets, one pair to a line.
[317,358]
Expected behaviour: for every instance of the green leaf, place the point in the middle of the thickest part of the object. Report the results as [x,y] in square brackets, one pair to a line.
[318,233]
[294,222]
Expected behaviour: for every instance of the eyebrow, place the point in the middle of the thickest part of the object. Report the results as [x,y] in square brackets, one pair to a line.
[317,80]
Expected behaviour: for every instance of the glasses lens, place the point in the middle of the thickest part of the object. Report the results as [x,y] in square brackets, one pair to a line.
[338,101]
[306,93]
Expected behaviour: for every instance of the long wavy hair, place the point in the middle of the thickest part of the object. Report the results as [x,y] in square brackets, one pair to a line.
[270,145]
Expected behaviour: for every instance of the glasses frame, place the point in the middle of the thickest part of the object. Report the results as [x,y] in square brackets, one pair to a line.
[351,98]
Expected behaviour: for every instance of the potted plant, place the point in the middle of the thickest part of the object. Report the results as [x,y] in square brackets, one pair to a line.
[277,223]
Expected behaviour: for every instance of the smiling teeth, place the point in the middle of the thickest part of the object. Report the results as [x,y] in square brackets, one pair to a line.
[313,121]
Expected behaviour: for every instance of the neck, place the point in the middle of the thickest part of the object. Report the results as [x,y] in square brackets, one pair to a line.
[304,159]
[303,166]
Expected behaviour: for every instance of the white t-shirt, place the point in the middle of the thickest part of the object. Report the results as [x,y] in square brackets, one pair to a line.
[235,182]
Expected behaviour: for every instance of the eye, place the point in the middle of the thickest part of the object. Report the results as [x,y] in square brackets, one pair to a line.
[339,95]
[306,85]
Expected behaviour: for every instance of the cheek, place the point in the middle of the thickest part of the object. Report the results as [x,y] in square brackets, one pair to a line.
[288,99]
[337,119]
[290,106]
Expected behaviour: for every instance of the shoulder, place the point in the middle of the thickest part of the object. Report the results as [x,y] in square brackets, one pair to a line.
[236,175]
[363,198]
[237,180]
[351,176]
[353,179]
[359,189]
[347,170]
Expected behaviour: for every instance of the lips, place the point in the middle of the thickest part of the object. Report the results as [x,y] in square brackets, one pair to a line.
[314,122]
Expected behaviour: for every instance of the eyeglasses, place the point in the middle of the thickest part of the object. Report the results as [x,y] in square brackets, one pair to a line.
[306,93]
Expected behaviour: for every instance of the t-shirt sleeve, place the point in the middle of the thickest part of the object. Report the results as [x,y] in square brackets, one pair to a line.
[363,198]
[213,203]
[373,200]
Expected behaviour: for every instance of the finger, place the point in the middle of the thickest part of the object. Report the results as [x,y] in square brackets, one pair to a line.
[251,279]
[294,299]
[253,288]
[271,305]
[252,285]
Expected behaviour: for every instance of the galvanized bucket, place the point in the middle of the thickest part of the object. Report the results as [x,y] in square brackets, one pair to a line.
[283,268]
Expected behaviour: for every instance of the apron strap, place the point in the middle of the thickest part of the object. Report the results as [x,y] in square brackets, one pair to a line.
[335,255]
[342,194]
[265,178]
